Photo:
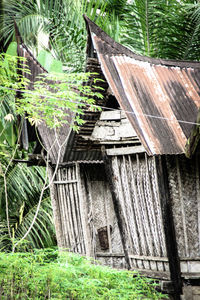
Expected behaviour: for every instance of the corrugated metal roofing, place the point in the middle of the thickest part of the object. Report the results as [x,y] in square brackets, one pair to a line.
[156,93]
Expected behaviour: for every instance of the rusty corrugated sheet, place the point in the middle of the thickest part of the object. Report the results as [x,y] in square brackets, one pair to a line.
[157,94]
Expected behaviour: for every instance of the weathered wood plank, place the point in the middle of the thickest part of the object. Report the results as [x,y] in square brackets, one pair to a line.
[158,209]
[154,274]
[65,181]
[110,115]
[119,187]
[198,196]
[125,150]
[91,219]
[117,207]
[180,189]
[76,246]
[68,210]
[56,210]
[66,231]
[171,245]
[151,209]
[79,240]
[137,207]
[84,209]
[129,209]
[143,208]
[80,211]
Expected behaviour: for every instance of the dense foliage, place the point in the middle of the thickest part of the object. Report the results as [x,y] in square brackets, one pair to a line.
[157,28]
[20,186]
[47,275]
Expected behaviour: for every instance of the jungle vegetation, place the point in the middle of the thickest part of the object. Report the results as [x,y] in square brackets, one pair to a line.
[55,29]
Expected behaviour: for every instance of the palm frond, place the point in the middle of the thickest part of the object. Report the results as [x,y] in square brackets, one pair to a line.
[23,189]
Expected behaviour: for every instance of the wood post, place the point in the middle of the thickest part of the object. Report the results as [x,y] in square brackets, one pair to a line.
[172,252]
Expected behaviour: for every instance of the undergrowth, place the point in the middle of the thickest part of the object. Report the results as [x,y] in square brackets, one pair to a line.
[47,274]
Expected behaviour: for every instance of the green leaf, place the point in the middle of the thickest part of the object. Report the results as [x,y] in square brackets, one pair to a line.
[56,66]
[45,59]
[49,63]
[10,134]
[12,49]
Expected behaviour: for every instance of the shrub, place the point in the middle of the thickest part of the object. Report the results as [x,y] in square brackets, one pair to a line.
[46,274]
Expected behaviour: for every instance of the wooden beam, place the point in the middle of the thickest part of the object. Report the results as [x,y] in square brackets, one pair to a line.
[125,150]
[171,244]
[65,181]
[110,115]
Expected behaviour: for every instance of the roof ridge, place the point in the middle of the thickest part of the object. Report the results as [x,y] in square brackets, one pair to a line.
[122,50]
[20,42]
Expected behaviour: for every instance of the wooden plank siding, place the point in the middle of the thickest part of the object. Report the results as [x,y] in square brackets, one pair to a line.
[184,180]
[135,226]
[69,196]
[136,184]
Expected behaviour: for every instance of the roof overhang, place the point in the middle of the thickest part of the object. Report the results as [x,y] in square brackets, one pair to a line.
[161,98]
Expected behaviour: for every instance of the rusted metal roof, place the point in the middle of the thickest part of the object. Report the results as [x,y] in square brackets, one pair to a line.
[159,96]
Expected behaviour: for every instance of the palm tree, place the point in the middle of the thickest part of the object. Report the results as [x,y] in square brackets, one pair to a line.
[20,185]
[165,29]
[162,29]
[23,191]
[60,21]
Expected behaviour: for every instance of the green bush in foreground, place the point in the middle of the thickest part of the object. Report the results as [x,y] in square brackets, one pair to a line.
[45,274]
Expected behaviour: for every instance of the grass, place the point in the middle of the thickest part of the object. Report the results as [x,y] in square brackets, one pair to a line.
[46,274]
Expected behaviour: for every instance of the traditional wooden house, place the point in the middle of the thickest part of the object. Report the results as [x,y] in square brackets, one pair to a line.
[127,188]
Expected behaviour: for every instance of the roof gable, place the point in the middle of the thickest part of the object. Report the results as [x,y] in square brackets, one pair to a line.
[51,139]
[161,97]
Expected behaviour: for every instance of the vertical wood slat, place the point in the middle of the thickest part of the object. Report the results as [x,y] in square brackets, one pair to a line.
[182,207]
[198,195]
[108,224]
[63,211]
[70,208]
[117,206]
[159,211]
[122,200]
[66,220]
[130,213]
[136,205]
[56,210]
[139,198]
[79,239]
[83,212]
[76,244]
[144,208]
[151,210]
[91,221]
[79,221]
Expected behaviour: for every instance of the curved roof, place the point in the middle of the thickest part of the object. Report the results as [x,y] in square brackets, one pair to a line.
[161,97]
[50,139]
